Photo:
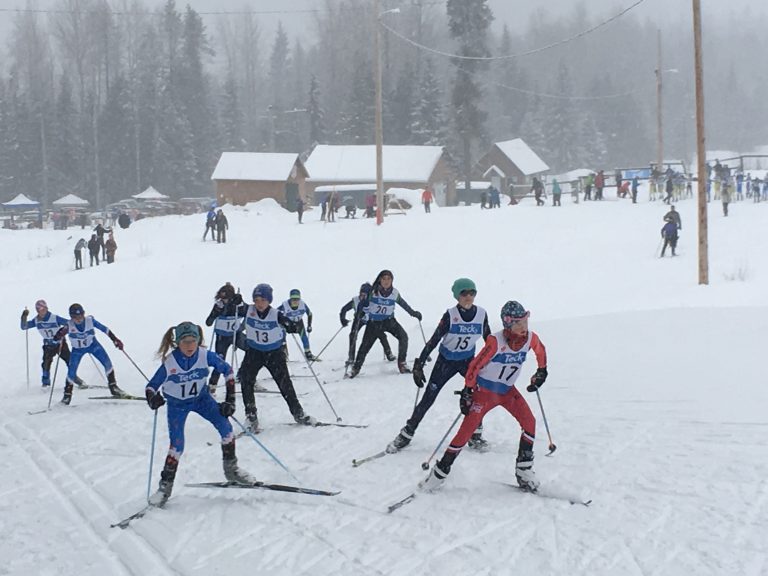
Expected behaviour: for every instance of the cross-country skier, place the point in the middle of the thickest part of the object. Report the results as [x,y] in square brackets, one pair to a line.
[359,306]
[82,335]
[457,333]
[294,309]
[226,323]
[182,376]
[381,311]
[48,324]
[264,342]
[490,382]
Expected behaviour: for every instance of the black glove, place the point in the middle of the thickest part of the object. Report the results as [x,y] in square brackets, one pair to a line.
[416,314]
[24,315]
[61,333]
[154,399]
[309,328]
[418,373]
[537,380]
[227,408]
[238,299]
[344,322]
[465,401]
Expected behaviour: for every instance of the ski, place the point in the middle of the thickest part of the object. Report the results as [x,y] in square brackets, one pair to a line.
[123,524]
[551,496]
[400,503]
[121,397]
[237,436]
[33,412]
[319,424]
[264,486]
[361,461]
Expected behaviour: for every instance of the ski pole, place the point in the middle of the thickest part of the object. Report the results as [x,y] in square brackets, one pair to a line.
[135,365]
[425,464]
[26,337]
[97,367]
[271,455]
[328,344]
[552,446]
[309,365]
[429,358]
[152,456]
[55,371]
[416,402]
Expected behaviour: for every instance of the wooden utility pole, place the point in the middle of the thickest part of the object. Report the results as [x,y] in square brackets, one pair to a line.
[379,129]
[701,147]
[659,125]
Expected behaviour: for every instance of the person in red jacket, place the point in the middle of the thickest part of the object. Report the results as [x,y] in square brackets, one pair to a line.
[599,185]
[426,199]
[490,382]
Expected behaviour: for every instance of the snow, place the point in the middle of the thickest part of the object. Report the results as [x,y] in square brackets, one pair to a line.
[21,200]
[403,164]
[70,200]
[150,194]
[257,166]
[522,156]
[656,400]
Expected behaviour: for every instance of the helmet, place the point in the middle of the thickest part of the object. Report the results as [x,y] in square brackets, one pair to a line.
[263,291]
[295,294]
[76,310]
[366,288]
[186,329]
[511,312]
[462,284]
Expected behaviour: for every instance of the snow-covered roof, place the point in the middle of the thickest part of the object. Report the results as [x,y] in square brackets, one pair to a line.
[358,163]
[474,185]
[573,175]
[149,194]
[71,200]
[495,169]
[256,166]
[346,187]
[522,156]
[21,200]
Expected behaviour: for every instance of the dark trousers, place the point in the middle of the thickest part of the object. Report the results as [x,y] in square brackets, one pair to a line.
[372,331]
[588,193]
[670,241]
[556,200]
[301,215]
[221,347]
[221,235]
[443,371]
[353,342]
[94,256]
[78,259]
[274,362]
[212,229]
[49,353]
[427,207]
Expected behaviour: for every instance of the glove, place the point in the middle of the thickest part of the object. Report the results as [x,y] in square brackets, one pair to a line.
[465,400]
[418,373]
[416,314]
[155,399]
[309,328]
[344,322]
[227,409]
[60,334]
[24,315]
[118,343]
[238,299]
[219,303]
[537,380]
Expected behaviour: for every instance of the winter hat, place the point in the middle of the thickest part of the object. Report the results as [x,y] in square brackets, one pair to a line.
[186,329]
[461,285]
[76,310]
[511,312]
[41,304]
[295,294]
[263,291]
[365,288]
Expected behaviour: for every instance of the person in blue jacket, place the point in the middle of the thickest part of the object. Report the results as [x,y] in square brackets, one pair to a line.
[48,324]
[81,330]
[181,382]
[669,233]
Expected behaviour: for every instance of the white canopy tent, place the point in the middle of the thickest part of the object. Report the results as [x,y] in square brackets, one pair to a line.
[71,200]
[21,201]
[150,194]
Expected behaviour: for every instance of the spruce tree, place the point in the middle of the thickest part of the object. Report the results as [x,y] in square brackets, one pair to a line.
[428,123]
[316,113]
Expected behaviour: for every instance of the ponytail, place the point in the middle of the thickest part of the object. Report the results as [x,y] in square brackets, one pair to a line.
[201,342]
[166,343]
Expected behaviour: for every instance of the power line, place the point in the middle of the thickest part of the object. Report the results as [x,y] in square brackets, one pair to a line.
[519,54]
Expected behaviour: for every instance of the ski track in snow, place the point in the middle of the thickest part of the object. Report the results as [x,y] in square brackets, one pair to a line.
[656,401]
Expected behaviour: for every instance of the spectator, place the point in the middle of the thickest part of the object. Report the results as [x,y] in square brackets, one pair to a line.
[588,183]
[100,231]
[599,185]
[670,188]
[495,197]
[300,208]
[426,199]
[82,221]
[725,196]
[538,191]
[111,248]
[94,249]
[222,225]
[210,224]
[556,192]
[81,244]
[674,216]
[483,199]
[123,220]
[635,186]
[350,207]
[370,205]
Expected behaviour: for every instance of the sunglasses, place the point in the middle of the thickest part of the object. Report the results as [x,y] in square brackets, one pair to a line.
[468,293]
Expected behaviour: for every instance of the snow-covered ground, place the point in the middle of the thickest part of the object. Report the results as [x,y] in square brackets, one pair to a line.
[656,400]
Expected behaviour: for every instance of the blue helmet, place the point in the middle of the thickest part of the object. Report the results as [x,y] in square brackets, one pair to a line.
[365,288]
[263,291]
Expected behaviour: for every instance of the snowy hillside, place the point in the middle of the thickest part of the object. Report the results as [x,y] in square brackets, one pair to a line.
[656,400]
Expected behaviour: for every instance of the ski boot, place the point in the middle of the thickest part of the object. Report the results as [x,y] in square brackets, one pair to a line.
[81,383]
[114,389]
[232,471]
[353,371]
[435,480]
[67,398]
[402,440]
[526,478]
[309,356]
[403,367]
[390,357]
[167,477]
[252,422]
[305,419]
[478,443]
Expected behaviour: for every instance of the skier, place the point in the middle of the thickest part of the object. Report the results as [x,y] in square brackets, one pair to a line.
[669,233]
[94,248]
[210,224]
[82,334]
[183,375]
[81,244]
[381,311]
[226,323]
[264,341]
[294,309]
[457,333]
[222,225]
[359,305]
[490,382]
[48,324]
